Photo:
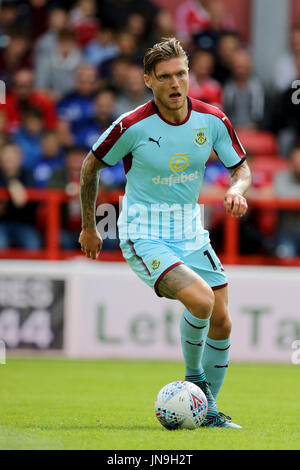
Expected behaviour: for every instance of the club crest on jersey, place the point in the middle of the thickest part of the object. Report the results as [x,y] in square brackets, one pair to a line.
[155,263]
[200,137]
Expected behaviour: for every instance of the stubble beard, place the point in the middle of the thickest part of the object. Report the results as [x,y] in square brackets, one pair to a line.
[172,106]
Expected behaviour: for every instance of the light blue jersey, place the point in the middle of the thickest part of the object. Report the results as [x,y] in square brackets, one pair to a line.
[164,164]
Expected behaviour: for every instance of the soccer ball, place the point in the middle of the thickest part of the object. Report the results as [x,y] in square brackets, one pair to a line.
[181,405]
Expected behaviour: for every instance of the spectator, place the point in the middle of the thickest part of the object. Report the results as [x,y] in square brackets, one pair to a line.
[256,227]
[104,115]
[119,68]
[229,43]
[127,44]
[15,56]
[55,72]
[57,21]
[31,15]
[105,110]
[195,16]
[136,24]
[202,86]
[244,94]
[17,214]
[102,48]
[135,93]
[207,40]
[23,96]
[287,184]
[76,110]
[9,16]
[220,19]
[219,22]
[115,13]
[28,137]
[3,133]
[68,178]
[36,15]
[191,17]
[286,68]
[83,20]
[163,27]
[51,159]
[287,118]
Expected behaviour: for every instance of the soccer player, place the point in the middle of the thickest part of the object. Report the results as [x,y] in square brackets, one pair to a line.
[164,145]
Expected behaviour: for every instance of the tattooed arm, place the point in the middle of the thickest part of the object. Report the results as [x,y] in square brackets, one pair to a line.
[234,200]
[89,239]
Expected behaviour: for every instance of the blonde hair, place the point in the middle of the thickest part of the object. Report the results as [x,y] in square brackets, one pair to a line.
[168,49]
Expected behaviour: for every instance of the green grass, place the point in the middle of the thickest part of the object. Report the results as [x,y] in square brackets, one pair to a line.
[86,404]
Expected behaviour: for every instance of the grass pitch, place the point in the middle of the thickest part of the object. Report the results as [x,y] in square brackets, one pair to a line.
[89,404]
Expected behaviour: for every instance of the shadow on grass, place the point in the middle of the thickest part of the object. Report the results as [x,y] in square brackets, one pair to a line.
[91,427]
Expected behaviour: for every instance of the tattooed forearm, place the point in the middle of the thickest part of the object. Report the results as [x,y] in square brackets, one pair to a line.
[240,178]
[89,179]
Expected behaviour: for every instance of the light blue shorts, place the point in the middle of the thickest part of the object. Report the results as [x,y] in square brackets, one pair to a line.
[152,259]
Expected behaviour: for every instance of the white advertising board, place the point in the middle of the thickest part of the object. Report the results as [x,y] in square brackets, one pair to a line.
[110,313]
[114,314]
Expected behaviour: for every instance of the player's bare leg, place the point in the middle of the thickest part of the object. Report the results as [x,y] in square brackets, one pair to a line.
[183,284]
[215,358]
[220,322]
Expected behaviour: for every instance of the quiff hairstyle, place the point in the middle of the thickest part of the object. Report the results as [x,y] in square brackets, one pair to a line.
[169,48]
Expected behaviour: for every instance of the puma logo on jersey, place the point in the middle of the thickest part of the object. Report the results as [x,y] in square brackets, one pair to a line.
[156,141]
[121,127]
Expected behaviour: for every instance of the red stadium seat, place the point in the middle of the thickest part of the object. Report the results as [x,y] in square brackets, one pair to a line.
[264,168]
[258,142]
[268,164]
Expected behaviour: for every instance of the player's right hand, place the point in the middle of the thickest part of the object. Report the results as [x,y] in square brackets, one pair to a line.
[91,242]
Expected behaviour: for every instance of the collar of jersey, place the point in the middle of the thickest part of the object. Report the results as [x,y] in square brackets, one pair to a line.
[174,123]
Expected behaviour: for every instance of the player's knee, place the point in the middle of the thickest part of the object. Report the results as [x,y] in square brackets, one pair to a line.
[226,327]
[202,304]
[222,326]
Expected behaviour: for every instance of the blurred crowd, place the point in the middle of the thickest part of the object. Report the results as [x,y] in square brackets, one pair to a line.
[71,68]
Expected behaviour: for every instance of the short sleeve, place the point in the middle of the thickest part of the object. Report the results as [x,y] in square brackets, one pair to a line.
[226,143]
[114,144]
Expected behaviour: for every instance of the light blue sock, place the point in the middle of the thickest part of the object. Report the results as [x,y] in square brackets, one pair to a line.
[193,332]
[193,335]
[215,363]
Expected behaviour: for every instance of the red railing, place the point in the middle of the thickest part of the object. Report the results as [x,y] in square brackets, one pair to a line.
[52,199]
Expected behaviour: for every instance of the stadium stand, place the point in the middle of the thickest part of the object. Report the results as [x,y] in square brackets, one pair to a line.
[71,67]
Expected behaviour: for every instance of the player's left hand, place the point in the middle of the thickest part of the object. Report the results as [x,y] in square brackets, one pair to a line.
[235,204]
